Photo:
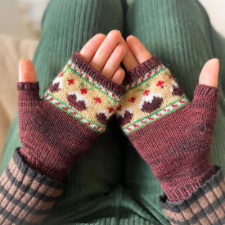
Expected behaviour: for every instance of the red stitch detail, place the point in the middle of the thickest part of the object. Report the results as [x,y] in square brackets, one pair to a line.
[83,91]
[61,74]
[160,83]
[135,125]
[111,109]
[71,81]
[65,108]
[150,118]
[129,129]
[119,107]
[158,114]
[57,103]
[146,92]
[149,74]
[132,99]
[87,78]
[88,123]
[50,99]
[98,100]
[182,101]
[174,105]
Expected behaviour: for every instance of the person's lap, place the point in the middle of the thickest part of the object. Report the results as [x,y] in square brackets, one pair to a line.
[177,33]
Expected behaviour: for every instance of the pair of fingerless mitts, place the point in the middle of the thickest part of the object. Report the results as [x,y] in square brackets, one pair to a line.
[172,135]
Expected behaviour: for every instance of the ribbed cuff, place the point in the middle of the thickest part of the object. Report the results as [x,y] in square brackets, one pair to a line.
[28,86]
[204,204]
[87,68]
[25,168]
[178,189]
[141,69]
[205,91]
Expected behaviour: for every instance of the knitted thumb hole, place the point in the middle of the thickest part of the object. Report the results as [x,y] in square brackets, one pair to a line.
[28,95]
[204,104]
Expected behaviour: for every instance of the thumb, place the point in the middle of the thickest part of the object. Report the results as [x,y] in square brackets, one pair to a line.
[28,87]
[207,93]
[27,71]
[210,72]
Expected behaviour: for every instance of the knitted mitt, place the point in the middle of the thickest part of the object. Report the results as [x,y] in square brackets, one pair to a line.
[56,130]
[173,135]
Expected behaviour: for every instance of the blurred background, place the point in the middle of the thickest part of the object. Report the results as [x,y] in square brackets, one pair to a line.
[20,25]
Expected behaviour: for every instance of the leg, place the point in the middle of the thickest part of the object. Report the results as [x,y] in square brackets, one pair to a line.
[66,27]
[180,34]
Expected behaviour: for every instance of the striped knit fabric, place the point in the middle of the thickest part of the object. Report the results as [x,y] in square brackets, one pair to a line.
[205,206]
[26,196]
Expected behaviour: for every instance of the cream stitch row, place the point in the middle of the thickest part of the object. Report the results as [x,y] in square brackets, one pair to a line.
[156,115]
[92,82]
[64,107]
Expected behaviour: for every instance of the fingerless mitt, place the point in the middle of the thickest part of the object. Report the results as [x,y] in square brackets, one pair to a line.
[173,135]
[56,130]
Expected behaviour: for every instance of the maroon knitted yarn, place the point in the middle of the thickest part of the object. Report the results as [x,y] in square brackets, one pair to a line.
[174,140]
[55,131]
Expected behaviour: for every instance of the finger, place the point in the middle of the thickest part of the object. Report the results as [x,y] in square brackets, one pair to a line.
[27,71]
[118,76]
[105,50]
[114,61]
[90,48]
[129,61]
[210,72]
[138,49]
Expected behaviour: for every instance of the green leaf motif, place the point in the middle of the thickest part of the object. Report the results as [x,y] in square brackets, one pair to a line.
[141,90]
[167,74]
[147,85]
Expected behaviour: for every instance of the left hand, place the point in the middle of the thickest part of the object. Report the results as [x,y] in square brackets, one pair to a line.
[176,145]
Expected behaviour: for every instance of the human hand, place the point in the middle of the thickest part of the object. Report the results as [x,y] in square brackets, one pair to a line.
[56,130]
[173,135]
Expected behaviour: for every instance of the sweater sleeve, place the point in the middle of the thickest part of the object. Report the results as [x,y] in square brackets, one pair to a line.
[26,196]
[204,206]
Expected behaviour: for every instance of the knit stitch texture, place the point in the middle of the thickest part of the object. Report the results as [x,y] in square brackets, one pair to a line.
[56,130]
[173,135]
